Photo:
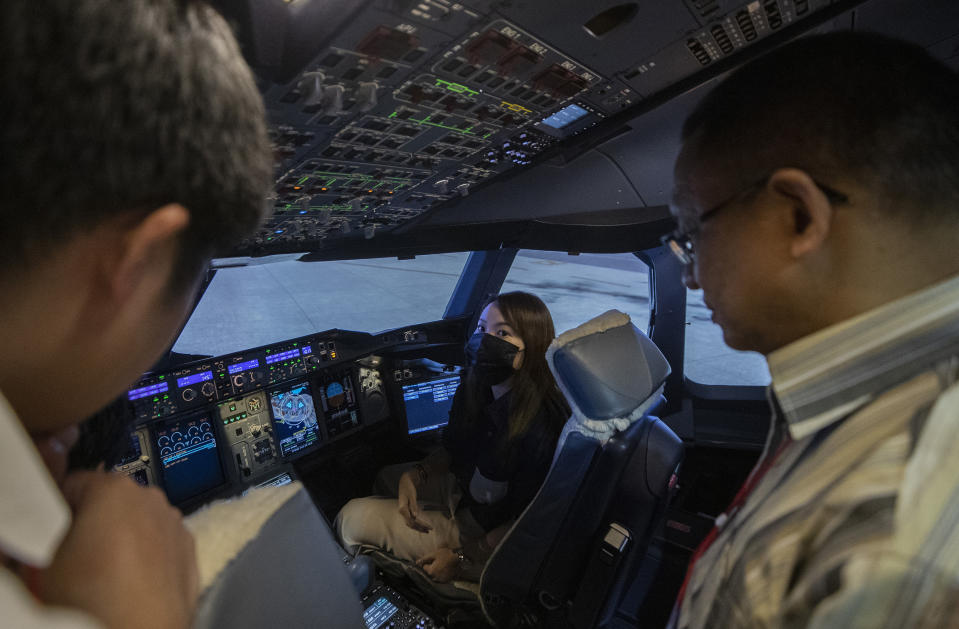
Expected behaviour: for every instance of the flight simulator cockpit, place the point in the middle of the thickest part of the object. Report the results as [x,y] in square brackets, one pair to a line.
[404,128]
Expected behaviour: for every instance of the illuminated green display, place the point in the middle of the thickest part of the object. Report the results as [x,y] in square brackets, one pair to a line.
[334,207]
[398,182]
[455,87]
[426,121]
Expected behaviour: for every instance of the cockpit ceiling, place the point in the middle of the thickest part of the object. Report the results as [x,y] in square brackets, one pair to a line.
[393,118]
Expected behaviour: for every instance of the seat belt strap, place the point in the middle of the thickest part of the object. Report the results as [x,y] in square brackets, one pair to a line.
[599,576]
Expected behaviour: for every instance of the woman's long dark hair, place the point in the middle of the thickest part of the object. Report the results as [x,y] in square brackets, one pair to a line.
[534,391]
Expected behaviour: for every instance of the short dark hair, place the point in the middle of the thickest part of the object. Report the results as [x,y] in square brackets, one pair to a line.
[121,107]
[879,111]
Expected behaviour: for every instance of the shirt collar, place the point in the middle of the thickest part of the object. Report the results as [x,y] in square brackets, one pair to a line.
[34,516]
[827,375]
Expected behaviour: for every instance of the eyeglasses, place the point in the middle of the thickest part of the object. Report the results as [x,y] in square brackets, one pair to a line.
[680,242]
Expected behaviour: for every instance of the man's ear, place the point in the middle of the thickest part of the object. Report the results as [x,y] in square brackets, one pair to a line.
[810,217]
[148,245]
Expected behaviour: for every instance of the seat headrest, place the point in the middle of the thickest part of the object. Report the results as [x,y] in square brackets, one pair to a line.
[607,367]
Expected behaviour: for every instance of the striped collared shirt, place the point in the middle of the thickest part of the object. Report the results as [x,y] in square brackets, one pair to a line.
[856,521]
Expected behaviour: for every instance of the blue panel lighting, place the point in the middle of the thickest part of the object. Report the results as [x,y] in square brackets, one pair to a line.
[565,116]
[142,392]
[276,358]
[195,378]
[250,364]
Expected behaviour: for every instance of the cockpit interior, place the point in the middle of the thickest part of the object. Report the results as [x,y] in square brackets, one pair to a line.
[430,154]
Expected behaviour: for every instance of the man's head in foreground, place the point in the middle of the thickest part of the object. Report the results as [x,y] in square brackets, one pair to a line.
[818,182]
[135,148]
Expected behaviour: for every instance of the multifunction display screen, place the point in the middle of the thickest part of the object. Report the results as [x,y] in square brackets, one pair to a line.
[428,403]
[294,417]
[188,457]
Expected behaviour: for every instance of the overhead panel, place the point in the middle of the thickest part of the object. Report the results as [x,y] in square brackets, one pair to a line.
[725,28]
[410,106]
[624,37]
[396,117]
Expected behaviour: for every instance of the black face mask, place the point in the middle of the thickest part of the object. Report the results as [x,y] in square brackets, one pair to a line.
[490,357]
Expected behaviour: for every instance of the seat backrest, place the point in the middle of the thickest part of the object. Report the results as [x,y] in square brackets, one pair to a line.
[574,556]
[287,572]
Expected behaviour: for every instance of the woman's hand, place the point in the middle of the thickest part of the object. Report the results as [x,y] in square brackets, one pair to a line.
[442,565]
[408,506]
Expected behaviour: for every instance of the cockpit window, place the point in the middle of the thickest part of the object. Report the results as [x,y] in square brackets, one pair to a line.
[708,359]
[255,305]
[577,288]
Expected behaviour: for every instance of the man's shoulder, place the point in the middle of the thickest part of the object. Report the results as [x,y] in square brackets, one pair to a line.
[928,505]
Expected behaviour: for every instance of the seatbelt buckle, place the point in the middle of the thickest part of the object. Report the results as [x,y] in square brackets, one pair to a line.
[615,542]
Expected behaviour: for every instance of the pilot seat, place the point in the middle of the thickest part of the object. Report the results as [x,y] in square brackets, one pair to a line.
[578,555]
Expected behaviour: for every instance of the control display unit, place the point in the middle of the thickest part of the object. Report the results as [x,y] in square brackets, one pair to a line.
[189,460]
[294,416]
[379,613]
[428,403]
[385,607]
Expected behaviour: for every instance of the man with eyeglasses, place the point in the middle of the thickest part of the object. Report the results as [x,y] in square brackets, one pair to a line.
[817,200]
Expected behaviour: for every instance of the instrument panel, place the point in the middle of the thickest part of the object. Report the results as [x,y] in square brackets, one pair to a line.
[217,426]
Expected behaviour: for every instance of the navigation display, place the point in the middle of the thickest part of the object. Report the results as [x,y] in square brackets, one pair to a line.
[428,403]
[294,417]
[188,457]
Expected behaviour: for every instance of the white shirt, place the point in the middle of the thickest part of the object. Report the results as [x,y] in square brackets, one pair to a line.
[34,518]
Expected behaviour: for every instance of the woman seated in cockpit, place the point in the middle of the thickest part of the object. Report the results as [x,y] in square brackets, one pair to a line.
[450,510]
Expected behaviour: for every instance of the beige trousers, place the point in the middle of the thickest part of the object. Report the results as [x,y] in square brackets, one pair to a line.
[376,520]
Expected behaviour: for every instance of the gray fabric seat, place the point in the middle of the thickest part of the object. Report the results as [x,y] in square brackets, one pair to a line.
[290,575]
[578,554]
